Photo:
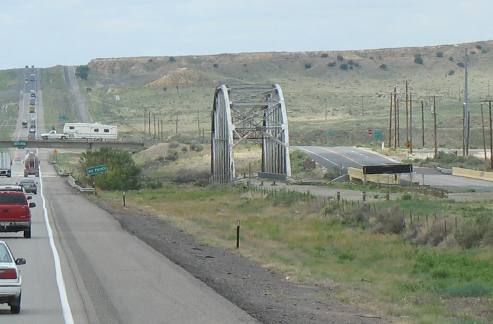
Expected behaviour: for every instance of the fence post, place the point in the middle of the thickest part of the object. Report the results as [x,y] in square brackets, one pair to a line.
[338,196]
[364,195]
[124,200]
[238,234]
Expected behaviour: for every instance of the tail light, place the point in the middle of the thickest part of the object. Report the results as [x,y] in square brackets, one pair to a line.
[8,274]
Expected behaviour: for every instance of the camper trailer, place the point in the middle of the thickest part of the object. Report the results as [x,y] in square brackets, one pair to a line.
[90,131]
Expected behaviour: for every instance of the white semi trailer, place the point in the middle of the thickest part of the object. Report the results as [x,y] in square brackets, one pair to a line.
[5,164]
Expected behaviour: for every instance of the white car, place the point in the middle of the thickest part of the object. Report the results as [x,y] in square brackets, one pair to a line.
[10,279]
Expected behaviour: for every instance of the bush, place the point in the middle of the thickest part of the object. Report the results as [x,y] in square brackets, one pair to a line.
[174,144]
[418,59]
[196,147]
[389,221]
[172,59]
[324,55]
[308,65]
[469,235]
[331,64]
[461,64]
[82,72]
[344,66]
[184,149]
[479,47]
[451,59]
[123,174]
[383,67]
[215,65]
[340,58]
[172,155]
[439,54]
[451,72]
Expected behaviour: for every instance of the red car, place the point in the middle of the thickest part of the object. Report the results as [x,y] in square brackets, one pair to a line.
[15,214]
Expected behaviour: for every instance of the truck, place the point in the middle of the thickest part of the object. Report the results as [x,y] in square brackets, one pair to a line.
[52,134]
[31,164]
[5,164]
[15,214]
[91,131]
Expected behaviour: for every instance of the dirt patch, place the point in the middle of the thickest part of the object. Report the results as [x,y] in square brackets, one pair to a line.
[264,294]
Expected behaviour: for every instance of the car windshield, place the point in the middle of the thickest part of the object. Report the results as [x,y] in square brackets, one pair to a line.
[4,254]
[17,199]
[28,183]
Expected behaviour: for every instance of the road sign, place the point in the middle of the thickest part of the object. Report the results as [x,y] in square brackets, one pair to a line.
[98,169]
[388,168]
[370,132]
[20,144]
[378,135]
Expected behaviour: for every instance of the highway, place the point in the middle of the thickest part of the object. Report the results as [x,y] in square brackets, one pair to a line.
[342,157]
[83,267]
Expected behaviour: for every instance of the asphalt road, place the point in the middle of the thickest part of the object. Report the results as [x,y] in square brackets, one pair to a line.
[342,157]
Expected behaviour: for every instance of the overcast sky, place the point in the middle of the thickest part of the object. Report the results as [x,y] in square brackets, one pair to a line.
[50,32]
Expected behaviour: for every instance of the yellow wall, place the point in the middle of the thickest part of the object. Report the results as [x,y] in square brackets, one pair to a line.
[468,173]
[355,173]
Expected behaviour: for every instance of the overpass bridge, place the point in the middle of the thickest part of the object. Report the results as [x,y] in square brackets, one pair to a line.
[73,144]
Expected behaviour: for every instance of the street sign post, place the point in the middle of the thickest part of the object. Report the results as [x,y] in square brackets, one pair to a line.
[98,169]
[20,144]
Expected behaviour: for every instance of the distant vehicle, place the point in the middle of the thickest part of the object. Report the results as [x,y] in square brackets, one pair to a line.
[33,95]
[52,134]
[33,77]
[10,279]
[90,130]
[15,214]
[5,164]
[24,124]
[32,101]
[31,164]
[29,185]
[32,109]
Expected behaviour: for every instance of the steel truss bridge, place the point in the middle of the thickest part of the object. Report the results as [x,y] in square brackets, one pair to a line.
[249,112]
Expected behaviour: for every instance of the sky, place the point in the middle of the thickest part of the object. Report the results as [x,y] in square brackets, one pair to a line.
[72,32]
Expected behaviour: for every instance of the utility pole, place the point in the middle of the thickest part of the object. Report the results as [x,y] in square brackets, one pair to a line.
[491,137]
[149,124]
[154,122]
[411,123]
[463,129]
[407,113]
[198,120]
[145,121]
[422,123]
[435,126]
[396,125]
[176,124]
[390,121]
[362,106]
[484,135]
[398,120]
[466,105]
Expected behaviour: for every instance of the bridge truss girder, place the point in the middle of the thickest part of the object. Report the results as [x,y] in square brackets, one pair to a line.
[249,112]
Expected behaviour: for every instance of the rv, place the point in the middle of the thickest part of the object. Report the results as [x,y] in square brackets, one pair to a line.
[90,130]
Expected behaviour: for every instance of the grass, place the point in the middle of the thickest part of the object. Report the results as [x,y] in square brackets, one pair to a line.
[10,83]
[383,273]
[8,120]
[57,103]
[67,162]
[449,160]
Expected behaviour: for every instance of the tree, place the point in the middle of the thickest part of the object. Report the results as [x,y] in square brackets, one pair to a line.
[439,54]
[383,67]
[123,173]
[172,59]
[344,66]
[308,66]
[82,72]
[418,59]
[340,58]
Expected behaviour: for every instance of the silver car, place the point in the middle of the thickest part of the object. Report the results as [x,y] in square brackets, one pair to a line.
[10,279]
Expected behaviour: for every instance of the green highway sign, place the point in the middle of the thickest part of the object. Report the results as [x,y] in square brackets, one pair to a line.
[98,169]
[20,143]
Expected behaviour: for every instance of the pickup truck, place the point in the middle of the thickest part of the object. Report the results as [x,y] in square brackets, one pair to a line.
[15,215]
[52,134]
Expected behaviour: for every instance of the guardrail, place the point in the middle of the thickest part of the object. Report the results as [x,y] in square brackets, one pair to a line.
[474,174]
[389,179]
[71,181]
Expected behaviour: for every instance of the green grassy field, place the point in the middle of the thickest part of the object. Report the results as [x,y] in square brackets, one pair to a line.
[385,273]
[10,83]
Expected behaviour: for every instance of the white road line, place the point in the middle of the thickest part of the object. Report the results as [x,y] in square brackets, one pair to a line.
[67,312]
[320,156]
[341,154]
[388,158]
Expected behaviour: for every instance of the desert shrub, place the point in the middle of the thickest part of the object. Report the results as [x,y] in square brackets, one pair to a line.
[389,221]
[383,67]
[82,72]
[184,149]
[308,66]
[191,176]
[451,59]
[196,147]
[470,235]
[151,183]
[172,155]
[406,196]
[324,55]
[484,50]
[479,47]
[165,89]
[344,66]
[472,52]
[433,234]
[439,54]
[358,216]
[174,145]
[215,65]
[340,58]
[461,64]
[172,59]
[451,72]
[331,64]
[418,59]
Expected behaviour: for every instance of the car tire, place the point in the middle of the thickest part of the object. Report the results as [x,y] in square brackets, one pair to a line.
[27,233]
[15,306]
